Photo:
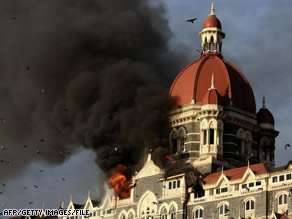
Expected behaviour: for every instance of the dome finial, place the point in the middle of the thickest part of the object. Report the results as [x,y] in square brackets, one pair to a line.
[264,102]
[212,8]
[212,83]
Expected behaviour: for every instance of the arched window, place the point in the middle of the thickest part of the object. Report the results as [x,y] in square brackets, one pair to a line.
[131,216]
[182,144]
[282,199]
[123,216]
[211,136]
[205,137]
[248,142]
[173,141]
[163,213]
[223,209]
[249,205]
[173,213]
[198,213]
[181,139]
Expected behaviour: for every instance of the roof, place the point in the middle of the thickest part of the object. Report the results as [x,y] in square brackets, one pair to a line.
[265,116]
[212,97]
[193,82]
[212,21]
[236,173]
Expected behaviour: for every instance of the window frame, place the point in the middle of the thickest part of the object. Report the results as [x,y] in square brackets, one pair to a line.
[198,213]
[250,205]
[225,209]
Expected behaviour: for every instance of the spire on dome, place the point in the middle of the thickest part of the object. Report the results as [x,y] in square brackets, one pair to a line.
[212,8]
[264,102]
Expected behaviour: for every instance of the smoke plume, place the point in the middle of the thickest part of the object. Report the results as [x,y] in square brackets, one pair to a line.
[83,73]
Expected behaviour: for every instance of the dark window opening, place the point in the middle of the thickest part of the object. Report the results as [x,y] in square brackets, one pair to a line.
[275,179]
[174,145]
[211,140]
[282,178]
[224,190]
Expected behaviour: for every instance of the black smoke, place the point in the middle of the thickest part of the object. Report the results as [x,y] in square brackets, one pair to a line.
[88,73]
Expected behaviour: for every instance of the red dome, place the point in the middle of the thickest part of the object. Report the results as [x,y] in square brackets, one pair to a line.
[212,21]
[193,82]
[265,116]
[212,97]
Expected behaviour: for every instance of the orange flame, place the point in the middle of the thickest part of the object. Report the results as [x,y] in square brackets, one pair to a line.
[119,181]
[169,157]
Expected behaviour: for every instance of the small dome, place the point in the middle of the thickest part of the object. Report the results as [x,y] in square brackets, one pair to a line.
[212,21]
[212,97]
[264,116]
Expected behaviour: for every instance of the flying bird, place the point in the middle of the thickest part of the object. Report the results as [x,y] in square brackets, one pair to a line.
[38,152]
[3,184]
[286,145]
[1,192]
[66,110]
[192,20]
[42,140]
[13,18]
[30,203]
[2,148]
[43,90]
[42,171]
[3,120]
[25,146]
[24,188]
[63,179]
[35,186]
[27,68]
[116,149]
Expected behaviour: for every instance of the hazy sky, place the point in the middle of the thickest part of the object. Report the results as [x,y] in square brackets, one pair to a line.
[258,41]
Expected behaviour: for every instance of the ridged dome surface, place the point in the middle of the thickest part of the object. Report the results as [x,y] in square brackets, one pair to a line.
[212,21]
[193,82]
[212,97]
[265,116]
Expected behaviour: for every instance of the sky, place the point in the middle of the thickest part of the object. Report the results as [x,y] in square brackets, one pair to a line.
[69,40]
